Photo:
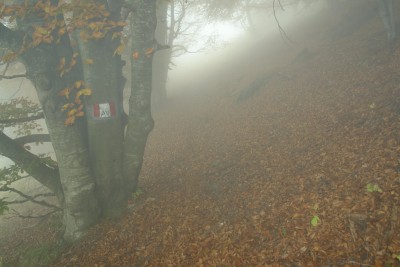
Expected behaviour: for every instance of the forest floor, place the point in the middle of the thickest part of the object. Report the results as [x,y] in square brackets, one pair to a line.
[303,171]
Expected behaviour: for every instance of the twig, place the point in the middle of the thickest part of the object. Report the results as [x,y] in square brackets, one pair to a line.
[282,32]
[44,216]
[21,120]
[12,76]
[33,138]
[32,199]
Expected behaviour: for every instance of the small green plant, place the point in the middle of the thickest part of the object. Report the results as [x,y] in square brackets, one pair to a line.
[315,221]
[279,231]
[372,187]
[137,193]
[42,255]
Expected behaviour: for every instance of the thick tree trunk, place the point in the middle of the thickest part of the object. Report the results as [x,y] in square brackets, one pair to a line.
[104,120]
[104,113]
[69,143]
[140,121]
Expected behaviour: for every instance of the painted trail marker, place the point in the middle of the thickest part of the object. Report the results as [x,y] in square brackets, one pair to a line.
[104,110]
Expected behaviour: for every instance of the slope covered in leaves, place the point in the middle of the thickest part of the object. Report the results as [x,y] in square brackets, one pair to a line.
[305,172]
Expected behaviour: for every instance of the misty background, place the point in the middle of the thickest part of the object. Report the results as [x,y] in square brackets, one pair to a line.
[219,54]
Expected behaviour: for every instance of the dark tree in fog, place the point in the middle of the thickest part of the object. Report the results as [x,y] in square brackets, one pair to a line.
[170,16]
[71,52]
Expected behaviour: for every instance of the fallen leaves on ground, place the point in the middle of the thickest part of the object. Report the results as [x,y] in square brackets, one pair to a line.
[285,178]
[279,180]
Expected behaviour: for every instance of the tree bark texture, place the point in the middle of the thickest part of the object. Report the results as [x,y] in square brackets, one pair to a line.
[105,134]
[140,122]
[69,143]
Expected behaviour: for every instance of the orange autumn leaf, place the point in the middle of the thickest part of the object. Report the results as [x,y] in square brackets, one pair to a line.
[71,112]
[86,91]
[67,106]
[97,35]
[78,84]
[62,31]
[149,51]
[72,63]
[120,49]
[69,120]
[89,61]
[81,92]
[135,55]
[80,114]
[115,35]
[40,30]
[121,23]
[65,92]
[61,64]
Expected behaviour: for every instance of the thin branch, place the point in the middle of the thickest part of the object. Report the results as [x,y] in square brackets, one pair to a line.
[177,48]
[13,76]
[3,187]
[30,198]
[24,119]
[33,138]
[26,200]
[32,164]
[44,216]
[282,32]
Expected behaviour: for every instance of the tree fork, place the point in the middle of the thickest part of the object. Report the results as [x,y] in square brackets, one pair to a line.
[32,164]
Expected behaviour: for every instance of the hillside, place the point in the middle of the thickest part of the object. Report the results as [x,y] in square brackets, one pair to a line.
[293,166]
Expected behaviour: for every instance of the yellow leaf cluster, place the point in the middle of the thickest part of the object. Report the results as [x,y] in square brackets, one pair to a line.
[120,49]
[64,68]
[89,61]
[74,109]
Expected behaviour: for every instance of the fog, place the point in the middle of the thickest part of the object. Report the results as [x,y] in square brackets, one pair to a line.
[223,63]
[220,65]
[217,152]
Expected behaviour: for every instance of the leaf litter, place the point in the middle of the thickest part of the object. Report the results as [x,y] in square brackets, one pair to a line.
[304,172]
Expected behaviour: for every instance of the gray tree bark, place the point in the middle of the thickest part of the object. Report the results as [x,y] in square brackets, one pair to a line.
[98,169]
[105,131]
[140,121]
[69,143]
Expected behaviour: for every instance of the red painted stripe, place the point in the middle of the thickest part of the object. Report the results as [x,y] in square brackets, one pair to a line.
[96,111]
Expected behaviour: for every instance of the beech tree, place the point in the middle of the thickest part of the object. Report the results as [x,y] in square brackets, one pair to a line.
[72,55]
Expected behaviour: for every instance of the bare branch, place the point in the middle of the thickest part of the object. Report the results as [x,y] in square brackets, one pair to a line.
[177,48]
[34,138]
[44,216]
[32,164]
[13,76]
[21,120]
[282,32]
[29,198]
